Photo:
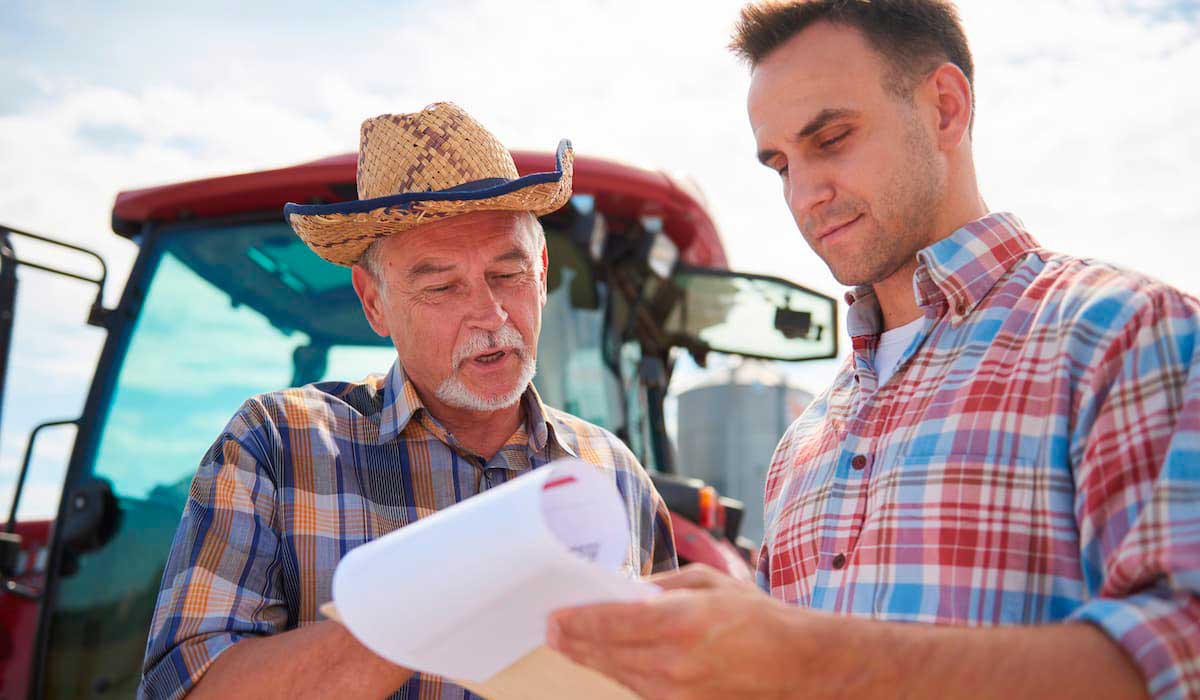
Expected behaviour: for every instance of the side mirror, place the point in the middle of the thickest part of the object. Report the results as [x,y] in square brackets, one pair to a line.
[91,516]
[751,315]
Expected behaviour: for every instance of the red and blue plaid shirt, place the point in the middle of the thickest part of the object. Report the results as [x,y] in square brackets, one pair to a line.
[1035,458]
[302,476]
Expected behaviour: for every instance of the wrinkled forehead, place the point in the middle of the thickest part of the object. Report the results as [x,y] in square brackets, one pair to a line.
[467,235]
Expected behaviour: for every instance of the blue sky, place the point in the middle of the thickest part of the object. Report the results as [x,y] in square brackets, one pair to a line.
[1088,125]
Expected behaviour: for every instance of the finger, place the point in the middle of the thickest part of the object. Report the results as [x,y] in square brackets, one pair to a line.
[690,576]
[620,623]
[617,660]
[671,616]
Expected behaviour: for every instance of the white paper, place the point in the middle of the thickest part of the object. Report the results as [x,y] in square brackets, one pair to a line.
[465,592]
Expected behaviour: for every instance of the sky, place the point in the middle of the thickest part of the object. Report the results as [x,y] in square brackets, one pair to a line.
[1087,127]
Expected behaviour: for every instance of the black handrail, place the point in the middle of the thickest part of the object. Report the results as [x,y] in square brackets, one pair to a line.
[97,316]
[8,306]
[63,244]
[11,526]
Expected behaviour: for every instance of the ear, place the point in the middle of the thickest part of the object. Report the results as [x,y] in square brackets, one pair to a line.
[544,291]
[367,289]
[951,92]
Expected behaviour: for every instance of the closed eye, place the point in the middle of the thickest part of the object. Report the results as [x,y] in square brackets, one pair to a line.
[508,276]
[829,143]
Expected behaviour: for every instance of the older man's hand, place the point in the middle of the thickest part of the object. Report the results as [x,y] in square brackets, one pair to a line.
[708,636]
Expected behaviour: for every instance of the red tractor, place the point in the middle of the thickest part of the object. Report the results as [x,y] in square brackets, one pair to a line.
[224,302]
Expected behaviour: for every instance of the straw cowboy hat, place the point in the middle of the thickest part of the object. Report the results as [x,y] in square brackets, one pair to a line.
[421,167]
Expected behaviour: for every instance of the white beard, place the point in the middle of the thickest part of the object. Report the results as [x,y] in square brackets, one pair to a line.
[453,392]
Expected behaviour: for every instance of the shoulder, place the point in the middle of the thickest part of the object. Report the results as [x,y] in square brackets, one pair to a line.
[261,419]
[302,404]
[598,446]
[1103,308]
[591,442]
[815,423]
[1094,292]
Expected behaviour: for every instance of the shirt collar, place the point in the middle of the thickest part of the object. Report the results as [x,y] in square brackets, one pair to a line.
[401,403]
[542,428]
[961,269]
[956,272]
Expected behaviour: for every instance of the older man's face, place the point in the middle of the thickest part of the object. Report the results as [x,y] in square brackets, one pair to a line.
[462,299]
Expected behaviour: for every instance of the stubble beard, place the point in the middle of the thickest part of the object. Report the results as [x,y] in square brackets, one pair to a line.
[904,221]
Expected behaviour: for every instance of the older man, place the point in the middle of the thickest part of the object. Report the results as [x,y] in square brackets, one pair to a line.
[449,261]
[1011,452]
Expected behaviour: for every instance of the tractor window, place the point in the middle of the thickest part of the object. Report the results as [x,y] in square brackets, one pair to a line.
[355,362]
[571,373]
[638,428]
[193,359]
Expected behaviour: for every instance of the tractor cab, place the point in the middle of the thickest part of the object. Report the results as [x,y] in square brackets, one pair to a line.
[224,302]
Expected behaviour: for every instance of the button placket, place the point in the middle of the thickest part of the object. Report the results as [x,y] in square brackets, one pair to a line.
[857,484]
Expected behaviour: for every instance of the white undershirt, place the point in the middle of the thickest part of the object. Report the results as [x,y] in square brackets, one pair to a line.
[892,344]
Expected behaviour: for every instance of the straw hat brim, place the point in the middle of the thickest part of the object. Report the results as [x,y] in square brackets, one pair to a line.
[342,232]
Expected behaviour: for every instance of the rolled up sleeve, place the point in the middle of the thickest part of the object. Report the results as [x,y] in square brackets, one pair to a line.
[222,581]
[1136,454]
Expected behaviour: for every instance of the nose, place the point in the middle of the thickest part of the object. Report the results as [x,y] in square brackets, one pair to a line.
[806,191]
[485,311]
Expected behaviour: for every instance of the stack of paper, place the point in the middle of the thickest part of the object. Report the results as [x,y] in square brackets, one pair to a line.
[465,593]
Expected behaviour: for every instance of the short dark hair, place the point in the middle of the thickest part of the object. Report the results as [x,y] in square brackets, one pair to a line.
[912,36]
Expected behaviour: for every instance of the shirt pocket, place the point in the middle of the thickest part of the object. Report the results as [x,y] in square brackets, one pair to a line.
[963,539]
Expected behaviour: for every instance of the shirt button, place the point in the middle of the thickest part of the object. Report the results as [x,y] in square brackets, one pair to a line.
[859,462]
[839,561]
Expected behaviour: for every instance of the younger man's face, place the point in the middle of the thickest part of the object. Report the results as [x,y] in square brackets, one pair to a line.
[859,170]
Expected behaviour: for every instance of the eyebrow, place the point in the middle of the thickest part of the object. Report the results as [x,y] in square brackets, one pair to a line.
[428,268]
[820,121]
[513,255]
[422,269]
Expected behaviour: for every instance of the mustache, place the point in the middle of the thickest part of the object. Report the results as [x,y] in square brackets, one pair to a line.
[506,338]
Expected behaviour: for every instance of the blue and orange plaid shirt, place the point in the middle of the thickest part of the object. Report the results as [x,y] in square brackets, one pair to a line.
[302,476]
[1035,458]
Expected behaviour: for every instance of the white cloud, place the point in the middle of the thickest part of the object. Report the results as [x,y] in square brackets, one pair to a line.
[1089,127]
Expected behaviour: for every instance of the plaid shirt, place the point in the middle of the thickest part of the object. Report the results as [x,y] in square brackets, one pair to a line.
[1036,457]
[302,476]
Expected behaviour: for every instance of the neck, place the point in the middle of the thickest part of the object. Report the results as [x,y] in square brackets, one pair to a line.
[895,292]
[895,296]
[482,432]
